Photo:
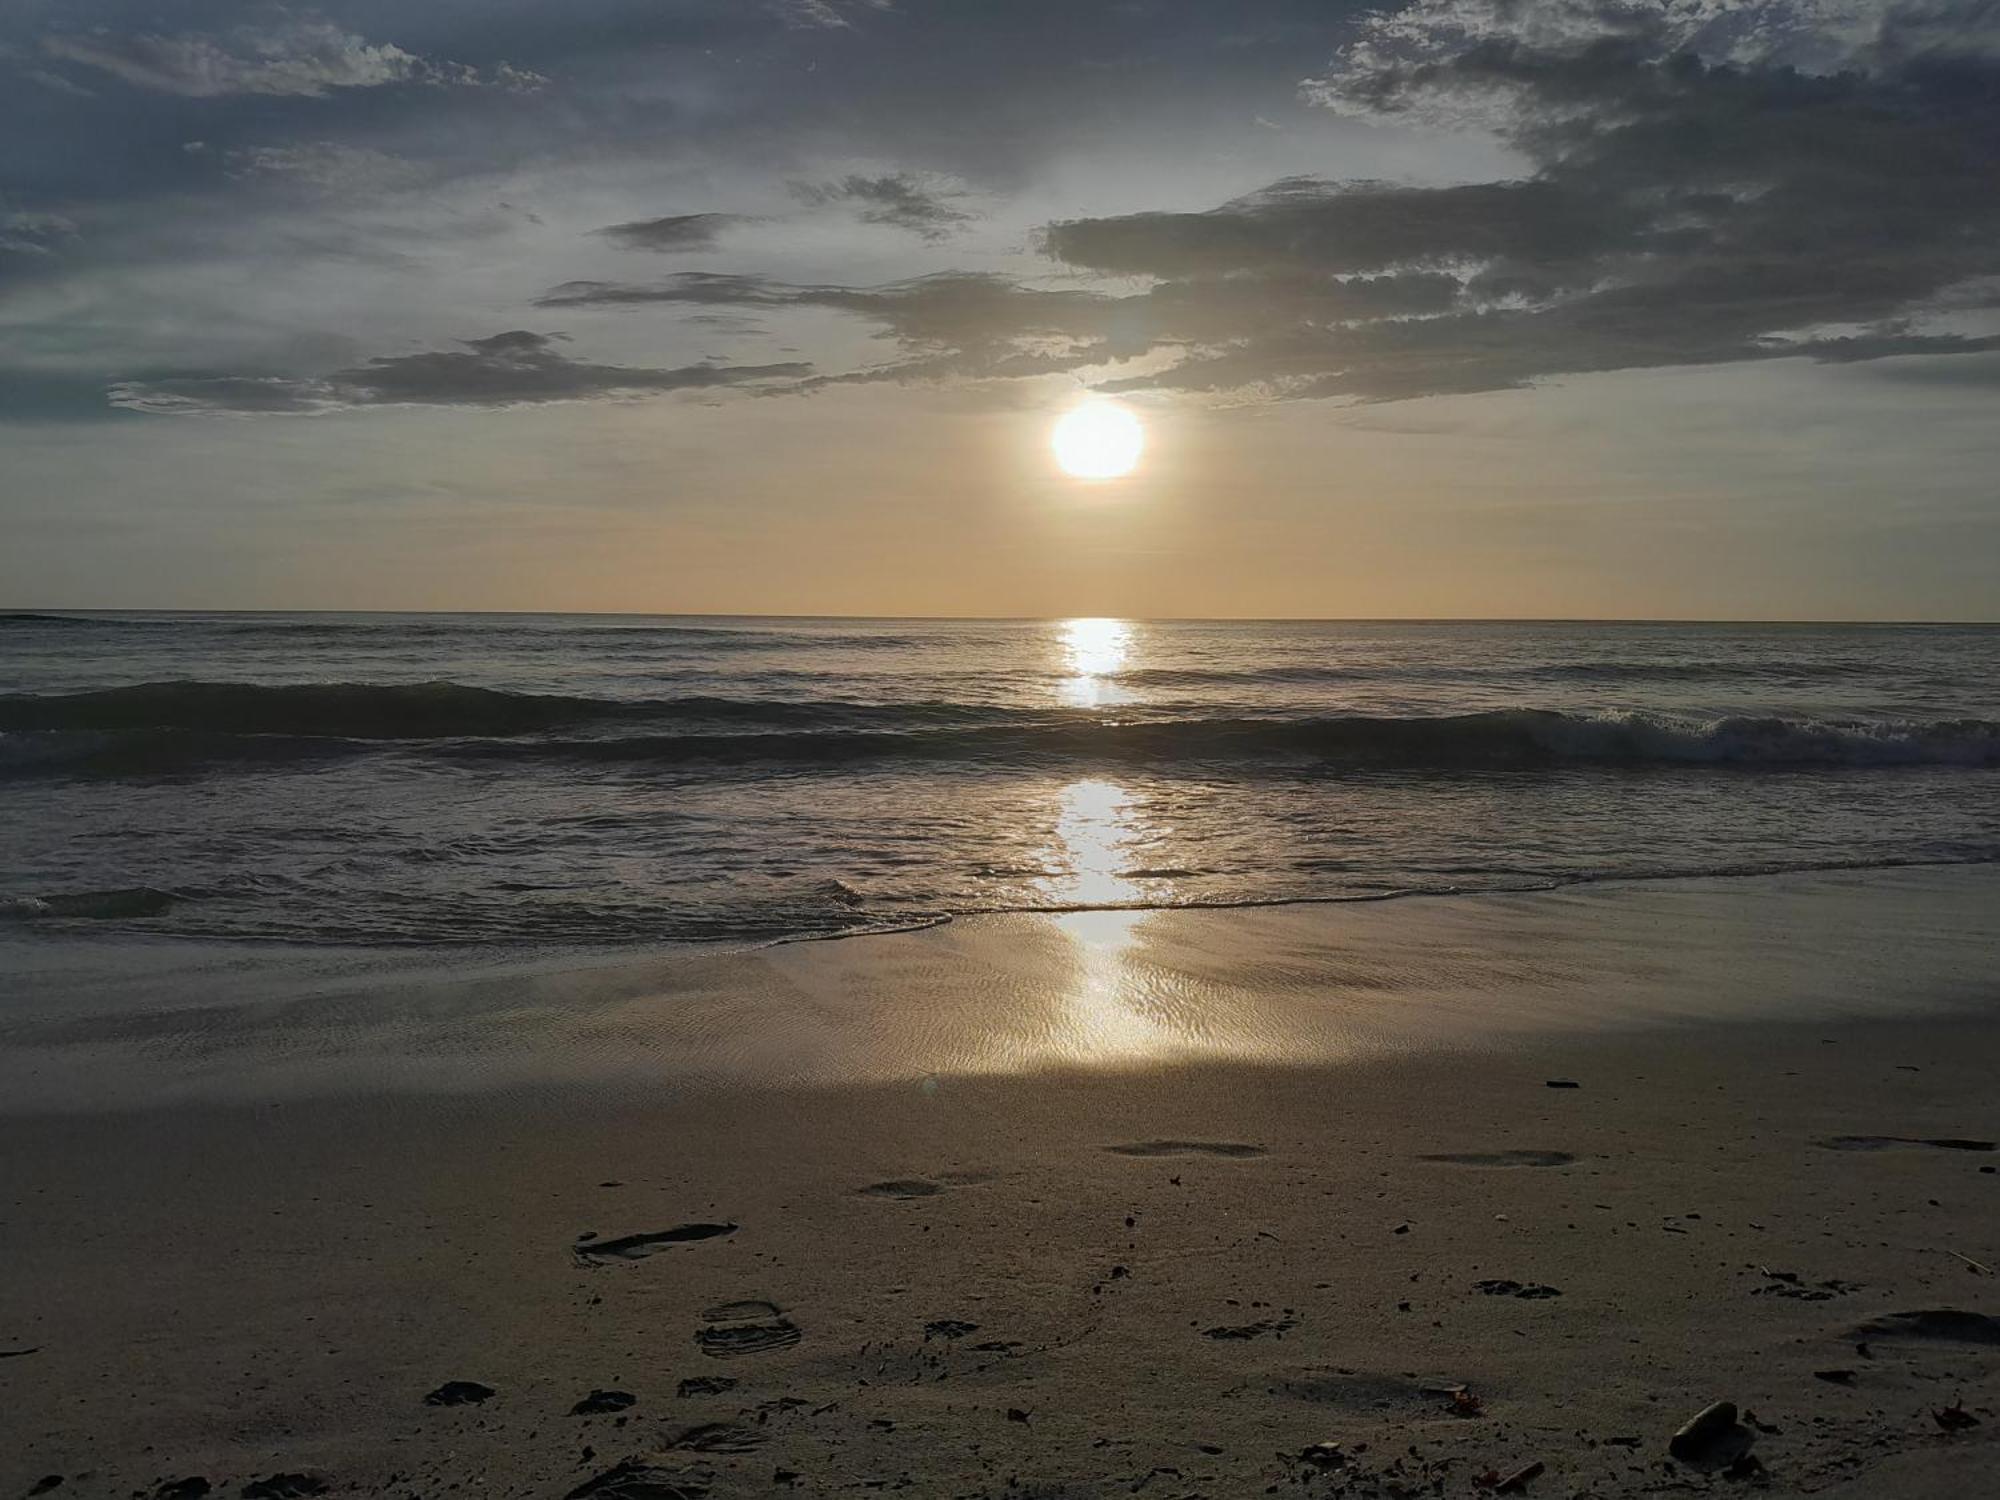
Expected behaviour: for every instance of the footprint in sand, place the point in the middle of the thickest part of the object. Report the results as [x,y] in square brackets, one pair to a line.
[704,1385]
[1502,1158]
[1235,1149]
[284,1487]
[591,1252]
[1897,1142]
[1274,1327]
[1945,1325]
[739,1328]
[902,1188]
[717,1437]
[923,1187]
[632,1480]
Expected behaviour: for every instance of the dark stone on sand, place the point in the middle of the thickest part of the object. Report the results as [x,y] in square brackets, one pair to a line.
[705,1385]
[1835,1377]
[460,1393]
[1502,1158]
[284,1487]
[46,1483]
[1712,1437]
[948,1328]
[1015,1414]
[1532,1291]
[191,1488]
[1563,1083]
[1946,1325]
[1238,1149]
[597,1403]
[20,1353]
[632,1480]
[639,1246]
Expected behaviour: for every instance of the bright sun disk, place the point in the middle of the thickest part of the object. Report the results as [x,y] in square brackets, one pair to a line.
[1098,440]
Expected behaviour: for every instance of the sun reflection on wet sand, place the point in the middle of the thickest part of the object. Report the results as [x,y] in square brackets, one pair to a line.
[1094,652]
[1105,1014]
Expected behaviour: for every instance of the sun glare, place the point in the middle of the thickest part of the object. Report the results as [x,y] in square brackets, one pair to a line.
[1098,440]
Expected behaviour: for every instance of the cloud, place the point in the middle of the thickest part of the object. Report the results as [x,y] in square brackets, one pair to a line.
[31,232]
[824,15]
[985,326]
[1704,183]
[322,166]
[899,201]
[515,368]
[672,233]
[301,56]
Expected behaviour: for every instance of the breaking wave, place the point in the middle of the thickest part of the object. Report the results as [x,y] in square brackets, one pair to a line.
[180,727]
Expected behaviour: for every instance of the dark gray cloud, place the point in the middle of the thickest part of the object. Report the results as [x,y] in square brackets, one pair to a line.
[515,368]
[899,201]
[672,233]
[1817,182]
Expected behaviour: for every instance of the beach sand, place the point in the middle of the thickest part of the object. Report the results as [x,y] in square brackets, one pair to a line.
[1162,1205]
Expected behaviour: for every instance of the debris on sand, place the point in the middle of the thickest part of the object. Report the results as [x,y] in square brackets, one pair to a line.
[1322,1455]
[1954,1418]
[1532,1290]
[1517,1481]
[1712,1436]
[460,1393]
[597,1403]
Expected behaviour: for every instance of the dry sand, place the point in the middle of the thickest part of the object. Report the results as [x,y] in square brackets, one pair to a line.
[1169,1267]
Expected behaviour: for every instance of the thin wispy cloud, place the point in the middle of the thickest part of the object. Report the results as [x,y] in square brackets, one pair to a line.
[301,56]
[899,201]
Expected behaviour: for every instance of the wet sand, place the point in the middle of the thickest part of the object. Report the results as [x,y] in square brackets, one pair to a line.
[1170,1266]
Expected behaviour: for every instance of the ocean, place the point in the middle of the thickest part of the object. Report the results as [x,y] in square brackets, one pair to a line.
[385,779]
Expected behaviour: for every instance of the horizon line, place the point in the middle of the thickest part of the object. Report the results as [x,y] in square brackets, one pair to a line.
[18,611]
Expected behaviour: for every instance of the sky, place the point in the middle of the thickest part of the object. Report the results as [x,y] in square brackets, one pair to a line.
[1473,308]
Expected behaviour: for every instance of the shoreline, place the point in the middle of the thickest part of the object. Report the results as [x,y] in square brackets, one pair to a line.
[95,1024]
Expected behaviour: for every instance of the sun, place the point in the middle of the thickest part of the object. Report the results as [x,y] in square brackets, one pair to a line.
[1098,440]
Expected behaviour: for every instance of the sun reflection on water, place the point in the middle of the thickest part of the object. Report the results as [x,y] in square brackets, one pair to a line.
[1093,834]
[1094,652]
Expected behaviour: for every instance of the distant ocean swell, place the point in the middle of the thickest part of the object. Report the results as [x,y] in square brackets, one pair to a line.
[178,728]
